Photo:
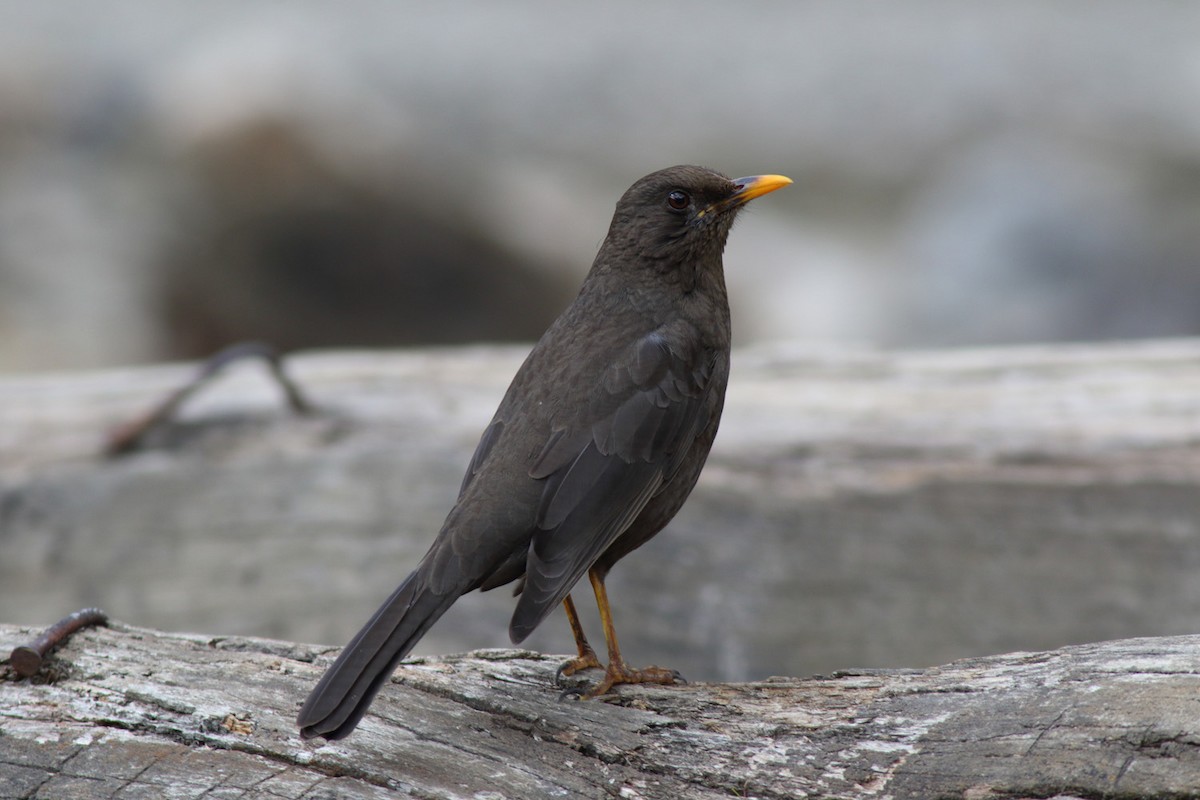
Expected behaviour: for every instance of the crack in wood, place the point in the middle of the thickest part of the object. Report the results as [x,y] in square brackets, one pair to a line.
[483,723]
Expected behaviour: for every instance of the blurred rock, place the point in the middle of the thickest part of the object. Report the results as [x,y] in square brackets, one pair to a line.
[173,176]
[283,247]
[1018,240]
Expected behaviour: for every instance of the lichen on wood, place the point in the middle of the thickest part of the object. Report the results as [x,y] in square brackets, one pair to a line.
[126,712]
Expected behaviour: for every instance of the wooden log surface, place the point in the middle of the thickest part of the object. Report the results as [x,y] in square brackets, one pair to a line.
[860,509]
[130,712]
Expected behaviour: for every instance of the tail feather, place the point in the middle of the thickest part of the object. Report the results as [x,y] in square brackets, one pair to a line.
[345,691]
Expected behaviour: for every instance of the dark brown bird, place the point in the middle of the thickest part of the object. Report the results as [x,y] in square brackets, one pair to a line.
[595,446]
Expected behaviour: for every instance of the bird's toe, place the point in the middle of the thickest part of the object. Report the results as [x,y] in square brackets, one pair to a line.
[572,693]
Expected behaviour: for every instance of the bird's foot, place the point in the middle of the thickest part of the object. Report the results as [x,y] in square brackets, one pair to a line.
[619,673]
[587,659]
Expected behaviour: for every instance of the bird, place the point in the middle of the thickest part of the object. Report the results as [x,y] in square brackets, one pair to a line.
[597,443]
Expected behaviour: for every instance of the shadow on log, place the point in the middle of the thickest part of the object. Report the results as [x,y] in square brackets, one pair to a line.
[129,712]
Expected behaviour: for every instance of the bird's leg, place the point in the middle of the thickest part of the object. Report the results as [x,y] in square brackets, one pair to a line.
[618,671]
[587,656]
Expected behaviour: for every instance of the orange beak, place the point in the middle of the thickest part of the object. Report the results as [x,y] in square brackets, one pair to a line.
[747,189]
[756,186]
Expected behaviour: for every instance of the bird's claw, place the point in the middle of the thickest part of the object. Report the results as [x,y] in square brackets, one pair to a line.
[573,692]
[585,660]
[558,676]
[615,676]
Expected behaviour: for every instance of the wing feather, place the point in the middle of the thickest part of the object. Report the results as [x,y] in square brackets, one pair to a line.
[602,468]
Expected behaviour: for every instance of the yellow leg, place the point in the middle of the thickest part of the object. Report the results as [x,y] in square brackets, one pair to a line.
[587,656]
[617,671]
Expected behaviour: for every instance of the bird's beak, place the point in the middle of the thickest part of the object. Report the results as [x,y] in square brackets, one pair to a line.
[748,189]
[756,186]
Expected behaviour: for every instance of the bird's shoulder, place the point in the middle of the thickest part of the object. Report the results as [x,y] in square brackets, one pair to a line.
[643,404]
[607,371]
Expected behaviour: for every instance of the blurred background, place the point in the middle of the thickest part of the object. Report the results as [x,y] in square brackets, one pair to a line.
[176,176]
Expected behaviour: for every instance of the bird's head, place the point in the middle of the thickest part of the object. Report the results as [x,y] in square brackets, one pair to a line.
[680,217]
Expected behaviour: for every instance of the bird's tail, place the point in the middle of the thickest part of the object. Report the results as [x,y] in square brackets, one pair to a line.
[345,691]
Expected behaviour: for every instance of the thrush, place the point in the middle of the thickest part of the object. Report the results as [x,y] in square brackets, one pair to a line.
[596,445]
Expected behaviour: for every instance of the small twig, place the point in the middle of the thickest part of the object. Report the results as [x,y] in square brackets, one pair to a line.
[27,659]
[128,436]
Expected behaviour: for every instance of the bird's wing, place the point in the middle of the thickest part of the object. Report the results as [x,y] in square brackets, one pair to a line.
[489,437]
[604,465]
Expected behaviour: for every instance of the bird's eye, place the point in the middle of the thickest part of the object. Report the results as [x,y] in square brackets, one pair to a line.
[678,200]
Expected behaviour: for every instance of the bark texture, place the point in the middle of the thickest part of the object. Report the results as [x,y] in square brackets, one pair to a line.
[130,712]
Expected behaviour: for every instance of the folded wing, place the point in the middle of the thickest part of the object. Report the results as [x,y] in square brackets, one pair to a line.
[601,468]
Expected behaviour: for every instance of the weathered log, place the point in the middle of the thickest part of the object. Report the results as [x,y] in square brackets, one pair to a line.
[860,509]
[130,712]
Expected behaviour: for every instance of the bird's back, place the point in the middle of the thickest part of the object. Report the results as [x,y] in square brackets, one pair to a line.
[597,443]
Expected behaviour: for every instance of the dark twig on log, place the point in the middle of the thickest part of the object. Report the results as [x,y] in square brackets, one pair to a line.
[27,659]
[129,435]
